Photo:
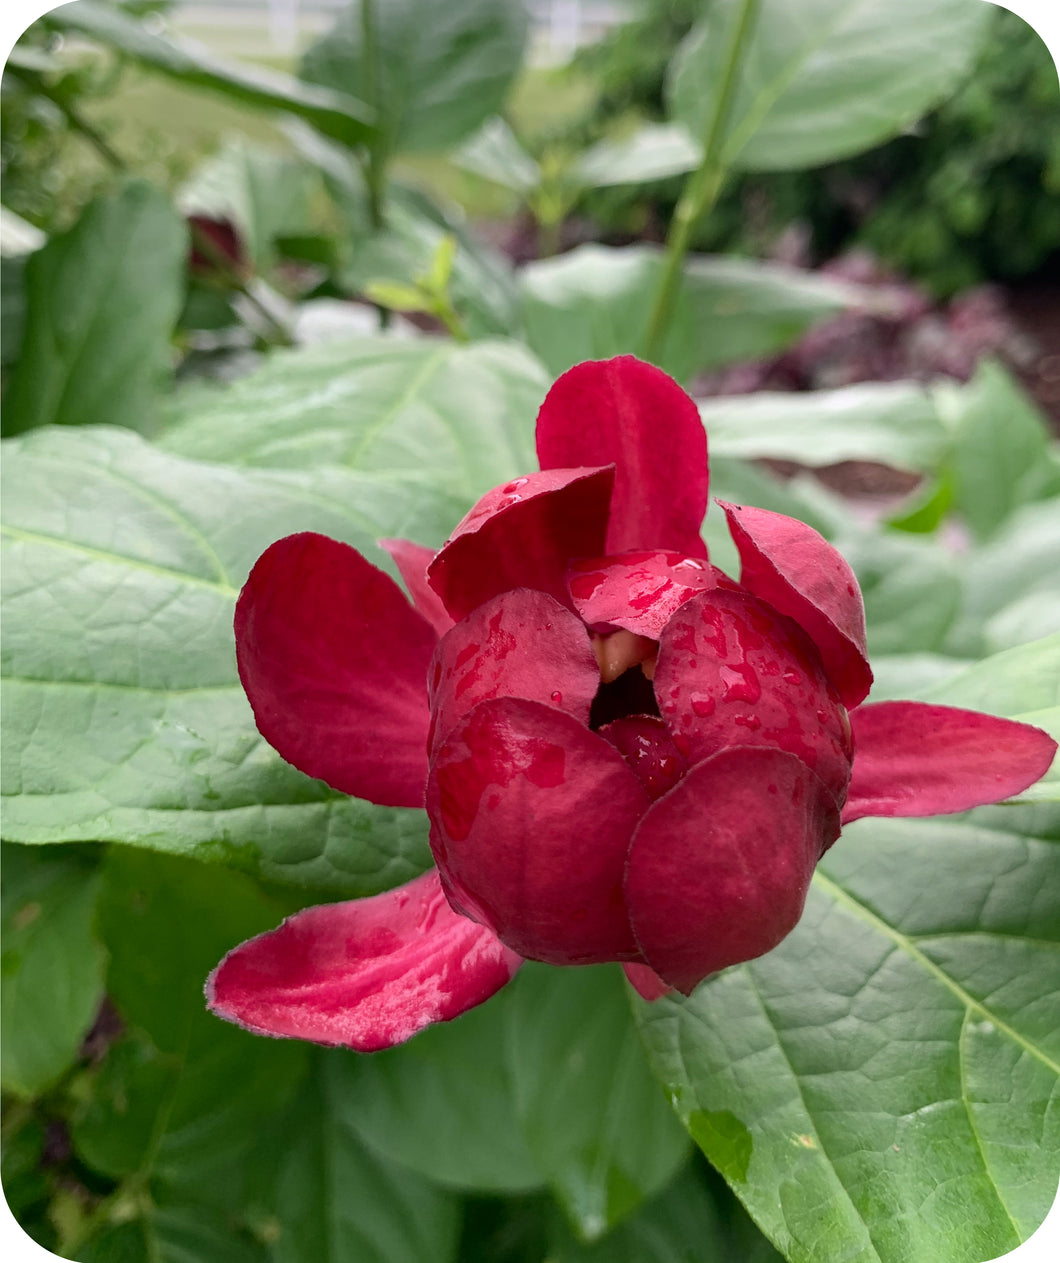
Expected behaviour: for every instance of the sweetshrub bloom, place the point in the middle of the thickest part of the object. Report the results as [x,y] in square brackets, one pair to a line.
[625,755]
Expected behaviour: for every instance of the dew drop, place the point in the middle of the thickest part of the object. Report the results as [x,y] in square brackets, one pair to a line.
[792,676]
[703,704]
[751,722]
[557,697]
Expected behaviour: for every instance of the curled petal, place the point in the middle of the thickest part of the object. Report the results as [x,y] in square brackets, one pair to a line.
[912,759]
[732,671]
[334,661]
[719,867]
[520,644]
[365,974]
[531,816]
[629,413]
[522,535]
[788,564]
[646,982]
[645,743]
[638,591]
[412,560]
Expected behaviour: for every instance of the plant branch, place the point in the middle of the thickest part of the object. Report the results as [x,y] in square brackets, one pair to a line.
[702,187]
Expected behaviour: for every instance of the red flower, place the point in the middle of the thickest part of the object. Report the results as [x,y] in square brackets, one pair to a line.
[624,754]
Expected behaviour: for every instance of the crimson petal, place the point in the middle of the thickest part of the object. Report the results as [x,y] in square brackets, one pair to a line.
[732,671]
[638,591]
[412,561]
[913,759]
[796,570]
[646,982]
[520,644]
[531,817]
[365,974]
[719,867]
[645,743]
[522,535]
[334,661]
[629,413]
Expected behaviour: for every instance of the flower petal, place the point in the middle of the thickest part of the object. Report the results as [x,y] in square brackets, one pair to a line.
[732,671]
[365,974]
[912,759]
[531,816]
[646,982]
[334,661]
[719,867]
[796,570]
[522,535]
[638,591]
[412,560]
[520,644]
[645,743]
[630,413]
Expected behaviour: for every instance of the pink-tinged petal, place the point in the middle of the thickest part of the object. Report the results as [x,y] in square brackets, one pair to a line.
[629,413]
[913,759]
[531,817]
[719,868]
[645,743]
[412,561]
[732,671]
[520,644]
[638,591]
[334,661]
[365,974]
[788,564]
[646,982]
[522,535]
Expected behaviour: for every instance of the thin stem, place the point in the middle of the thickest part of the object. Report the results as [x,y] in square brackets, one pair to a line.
[703,185]
[375,164]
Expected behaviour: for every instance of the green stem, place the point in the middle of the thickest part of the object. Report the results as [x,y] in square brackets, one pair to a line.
[375,164]
[703,185]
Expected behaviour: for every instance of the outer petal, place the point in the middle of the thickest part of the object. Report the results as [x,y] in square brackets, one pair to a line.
[719,868]
[796,570]
[638,591]
[531,817]
[520,644]
[630,413]
[366,974]
[732,671]
[522,535]
[646,982]
[334,661]
[918,760]
[645,743]
[412,560]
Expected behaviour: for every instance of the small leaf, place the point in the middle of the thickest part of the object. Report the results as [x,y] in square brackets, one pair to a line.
[494,152]
[101,303]
[654,151]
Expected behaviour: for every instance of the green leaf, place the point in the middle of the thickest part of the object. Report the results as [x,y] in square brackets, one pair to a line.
[173,1234]
[911,592]
[655,151]
[593,1118]
[52,965]
[443,1104]
[879,1086]
[336,1201]
[437,71]
[822,79]
[125,720]
[1001,454]
[101,303]
[335,114]
[594,302]
[465,414]
[894,423]
[494,152]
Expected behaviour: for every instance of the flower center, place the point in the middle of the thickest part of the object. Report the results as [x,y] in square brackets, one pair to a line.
[627,665]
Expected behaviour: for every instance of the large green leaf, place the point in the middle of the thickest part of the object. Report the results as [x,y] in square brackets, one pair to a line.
[101,303]
[595,302]
[894,423]
[462,415]
[336,114]
[52,965]
[174,1234]
[124,716]
[438,70]
[443,1104]
[592,1115]
[883,1085]
[821,79]
[654,151]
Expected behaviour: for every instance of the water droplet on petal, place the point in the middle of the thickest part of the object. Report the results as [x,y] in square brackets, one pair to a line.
[751,722]
[792,677]
[703,704]
[557,697]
